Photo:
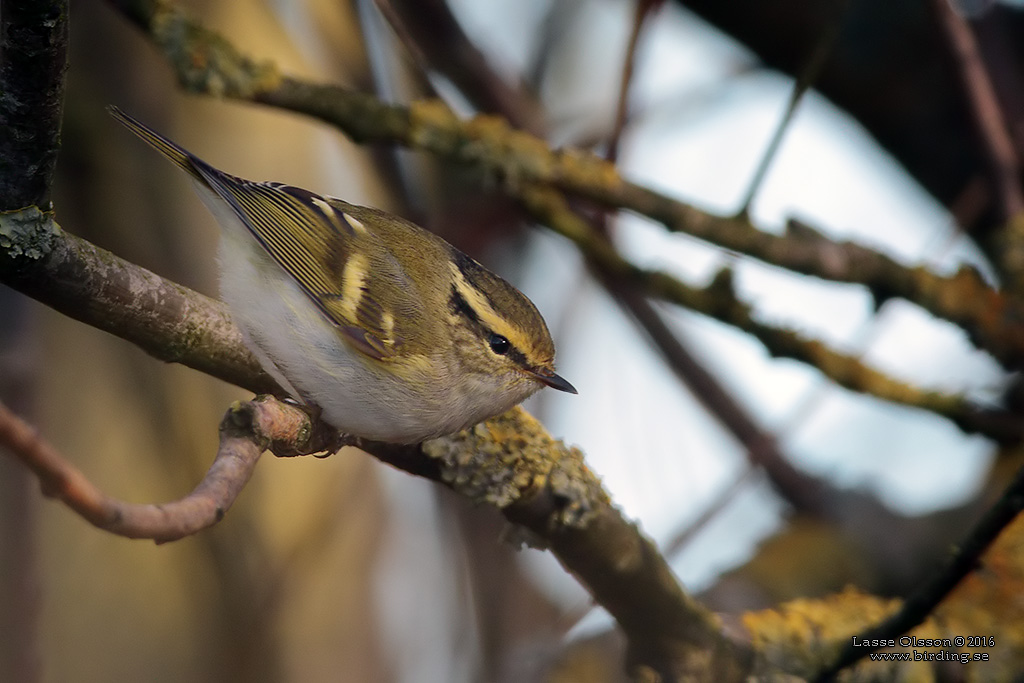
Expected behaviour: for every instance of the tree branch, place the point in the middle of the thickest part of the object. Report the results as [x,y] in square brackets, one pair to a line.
[801,84]
[962,561]
[206,63]
[1004,164]
[719,301]
[429,28]
[644,11]
[169,322]
[34,41]
[984,104]
[204,507]
[510,462]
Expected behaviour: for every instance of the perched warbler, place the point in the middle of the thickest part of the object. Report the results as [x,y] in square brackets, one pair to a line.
[395,334]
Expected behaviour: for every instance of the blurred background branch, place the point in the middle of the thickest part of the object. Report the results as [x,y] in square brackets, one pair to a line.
[521,159]
[889,67]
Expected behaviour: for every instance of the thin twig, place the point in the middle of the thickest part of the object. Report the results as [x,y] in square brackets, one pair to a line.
[437,42]
[725,497]
[988,114]
[997,143]
[963,560]
[205,506]
[807,77]
[644,10]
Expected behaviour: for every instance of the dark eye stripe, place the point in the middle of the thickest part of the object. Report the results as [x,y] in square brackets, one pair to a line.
[460,306]
[471,271]
[517,357]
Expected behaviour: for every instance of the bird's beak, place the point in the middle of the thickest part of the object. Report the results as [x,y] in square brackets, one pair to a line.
[548,377]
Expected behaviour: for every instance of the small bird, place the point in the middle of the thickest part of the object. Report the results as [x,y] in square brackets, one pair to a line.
[392,332]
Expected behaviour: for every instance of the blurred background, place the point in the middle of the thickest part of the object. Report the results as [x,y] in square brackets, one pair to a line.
[342,569]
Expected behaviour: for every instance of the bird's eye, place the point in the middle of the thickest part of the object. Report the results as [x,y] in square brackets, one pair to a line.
[499,344]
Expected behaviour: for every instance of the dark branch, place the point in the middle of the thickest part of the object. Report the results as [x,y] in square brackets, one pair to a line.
[984,104]
[644,10]
[997,144]
[806,78]
[556,497]
[510,462]
[806,493]
[429,28]
[33,59]
[963,560]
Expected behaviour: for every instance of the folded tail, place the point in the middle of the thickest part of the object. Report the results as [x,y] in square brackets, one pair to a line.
[181,157]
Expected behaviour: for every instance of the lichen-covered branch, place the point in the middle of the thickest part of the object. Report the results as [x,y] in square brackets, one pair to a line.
[718,300]
[170,322]
[509,462]
[962,560]
[33,59]
[206,63]
[512,463]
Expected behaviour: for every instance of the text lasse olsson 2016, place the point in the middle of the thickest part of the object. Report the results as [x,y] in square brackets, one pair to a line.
[947,655]
[914,641]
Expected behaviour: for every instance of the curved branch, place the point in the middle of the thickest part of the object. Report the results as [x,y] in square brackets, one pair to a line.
[240,447]
[512,463]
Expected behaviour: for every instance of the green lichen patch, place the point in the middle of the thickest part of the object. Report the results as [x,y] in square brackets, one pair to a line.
[27,233]
[511,458]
